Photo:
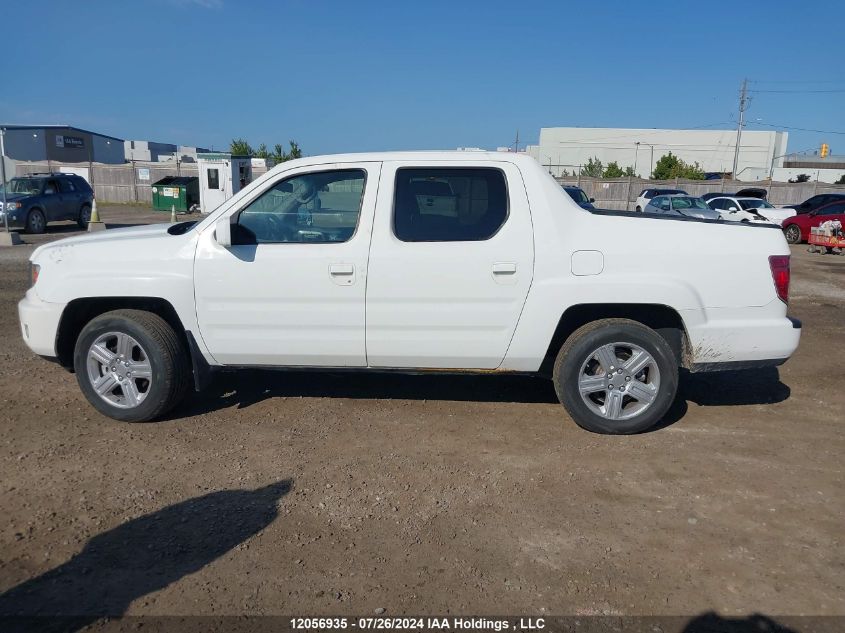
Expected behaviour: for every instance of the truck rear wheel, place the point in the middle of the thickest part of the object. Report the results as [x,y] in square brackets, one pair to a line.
[616,376]
[131,365]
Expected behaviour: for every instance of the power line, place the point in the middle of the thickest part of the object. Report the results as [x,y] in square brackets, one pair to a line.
[796,81]
[799,129]
[803,92]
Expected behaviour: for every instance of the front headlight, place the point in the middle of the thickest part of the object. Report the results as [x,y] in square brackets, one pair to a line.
[34,269]
[12,206]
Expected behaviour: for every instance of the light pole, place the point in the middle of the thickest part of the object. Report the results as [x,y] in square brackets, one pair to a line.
[636,153]
[7,238]
[3,175]
[652,157]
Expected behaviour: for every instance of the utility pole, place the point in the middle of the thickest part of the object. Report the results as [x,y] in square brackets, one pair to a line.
[743,105]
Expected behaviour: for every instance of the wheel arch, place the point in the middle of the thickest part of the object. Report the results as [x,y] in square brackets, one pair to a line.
[663,319]
[80,311]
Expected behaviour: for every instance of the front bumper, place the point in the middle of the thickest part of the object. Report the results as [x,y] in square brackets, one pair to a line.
[39,323]
[17,219]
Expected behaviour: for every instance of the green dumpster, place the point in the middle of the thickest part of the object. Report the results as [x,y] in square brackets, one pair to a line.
[183,192]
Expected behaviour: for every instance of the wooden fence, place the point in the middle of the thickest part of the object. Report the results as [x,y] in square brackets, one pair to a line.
[125,183]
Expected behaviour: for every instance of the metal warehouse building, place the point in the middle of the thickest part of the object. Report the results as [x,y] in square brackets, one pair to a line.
[565,148]
[61,143]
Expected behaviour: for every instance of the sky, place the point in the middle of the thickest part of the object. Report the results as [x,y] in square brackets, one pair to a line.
[363,76]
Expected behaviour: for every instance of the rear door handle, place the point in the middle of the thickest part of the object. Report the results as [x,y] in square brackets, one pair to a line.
[504,268]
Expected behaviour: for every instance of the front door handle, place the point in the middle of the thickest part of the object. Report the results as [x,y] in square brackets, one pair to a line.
[504,268]
[342,274]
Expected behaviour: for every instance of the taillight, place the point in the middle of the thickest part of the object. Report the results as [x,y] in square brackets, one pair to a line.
[34,269]
[780,274]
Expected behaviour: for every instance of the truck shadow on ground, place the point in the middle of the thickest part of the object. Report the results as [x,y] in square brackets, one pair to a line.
[756,623]
[141,556]
[245,388]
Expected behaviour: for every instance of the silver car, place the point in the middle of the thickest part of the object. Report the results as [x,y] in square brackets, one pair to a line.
[678,204]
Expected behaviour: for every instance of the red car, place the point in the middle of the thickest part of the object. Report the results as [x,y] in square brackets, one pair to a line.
[797,228]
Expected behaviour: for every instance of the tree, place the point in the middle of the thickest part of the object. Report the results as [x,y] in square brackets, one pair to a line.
[240,147]
[629,171]
[593,168]
[280,155]
[670,166]
[800,178]
[613,170]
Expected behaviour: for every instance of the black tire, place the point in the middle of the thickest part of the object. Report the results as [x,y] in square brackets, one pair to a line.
[84,216]
[35,221]
[792,233]
[577,351]
[639,210]
[168,360]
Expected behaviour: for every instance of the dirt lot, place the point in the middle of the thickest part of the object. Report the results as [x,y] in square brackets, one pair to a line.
[341,494]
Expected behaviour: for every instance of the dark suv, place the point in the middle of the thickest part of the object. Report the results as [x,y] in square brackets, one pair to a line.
[34,200]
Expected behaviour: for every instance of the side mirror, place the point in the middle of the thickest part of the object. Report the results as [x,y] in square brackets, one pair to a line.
[732,209]
[223,232]
[592,199]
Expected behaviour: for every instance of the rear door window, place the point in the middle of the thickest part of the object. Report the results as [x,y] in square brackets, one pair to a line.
[449,204]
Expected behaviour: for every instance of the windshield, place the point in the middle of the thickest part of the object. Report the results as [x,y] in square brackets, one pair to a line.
[576,194]
[688,202]
[24,185]
[755,204]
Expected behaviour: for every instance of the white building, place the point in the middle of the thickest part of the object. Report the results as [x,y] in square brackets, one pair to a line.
[566,148]
[160,152]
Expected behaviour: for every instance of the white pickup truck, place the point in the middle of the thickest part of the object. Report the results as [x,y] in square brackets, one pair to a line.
[347,262]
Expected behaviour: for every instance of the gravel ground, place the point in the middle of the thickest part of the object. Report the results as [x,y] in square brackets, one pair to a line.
[309,493]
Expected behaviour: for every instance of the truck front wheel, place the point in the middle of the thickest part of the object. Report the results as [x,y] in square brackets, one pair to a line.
[131,365]
[616,376]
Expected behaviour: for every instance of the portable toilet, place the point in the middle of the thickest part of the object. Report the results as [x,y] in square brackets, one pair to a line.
[221,175]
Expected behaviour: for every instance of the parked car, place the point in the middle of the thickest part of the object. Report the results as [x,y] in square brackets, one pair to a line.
[677,204]
[737,209]
[578,195]
[752,192]
[797,228]
[648,194]
[811,204]
[33,201]
[607,304]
